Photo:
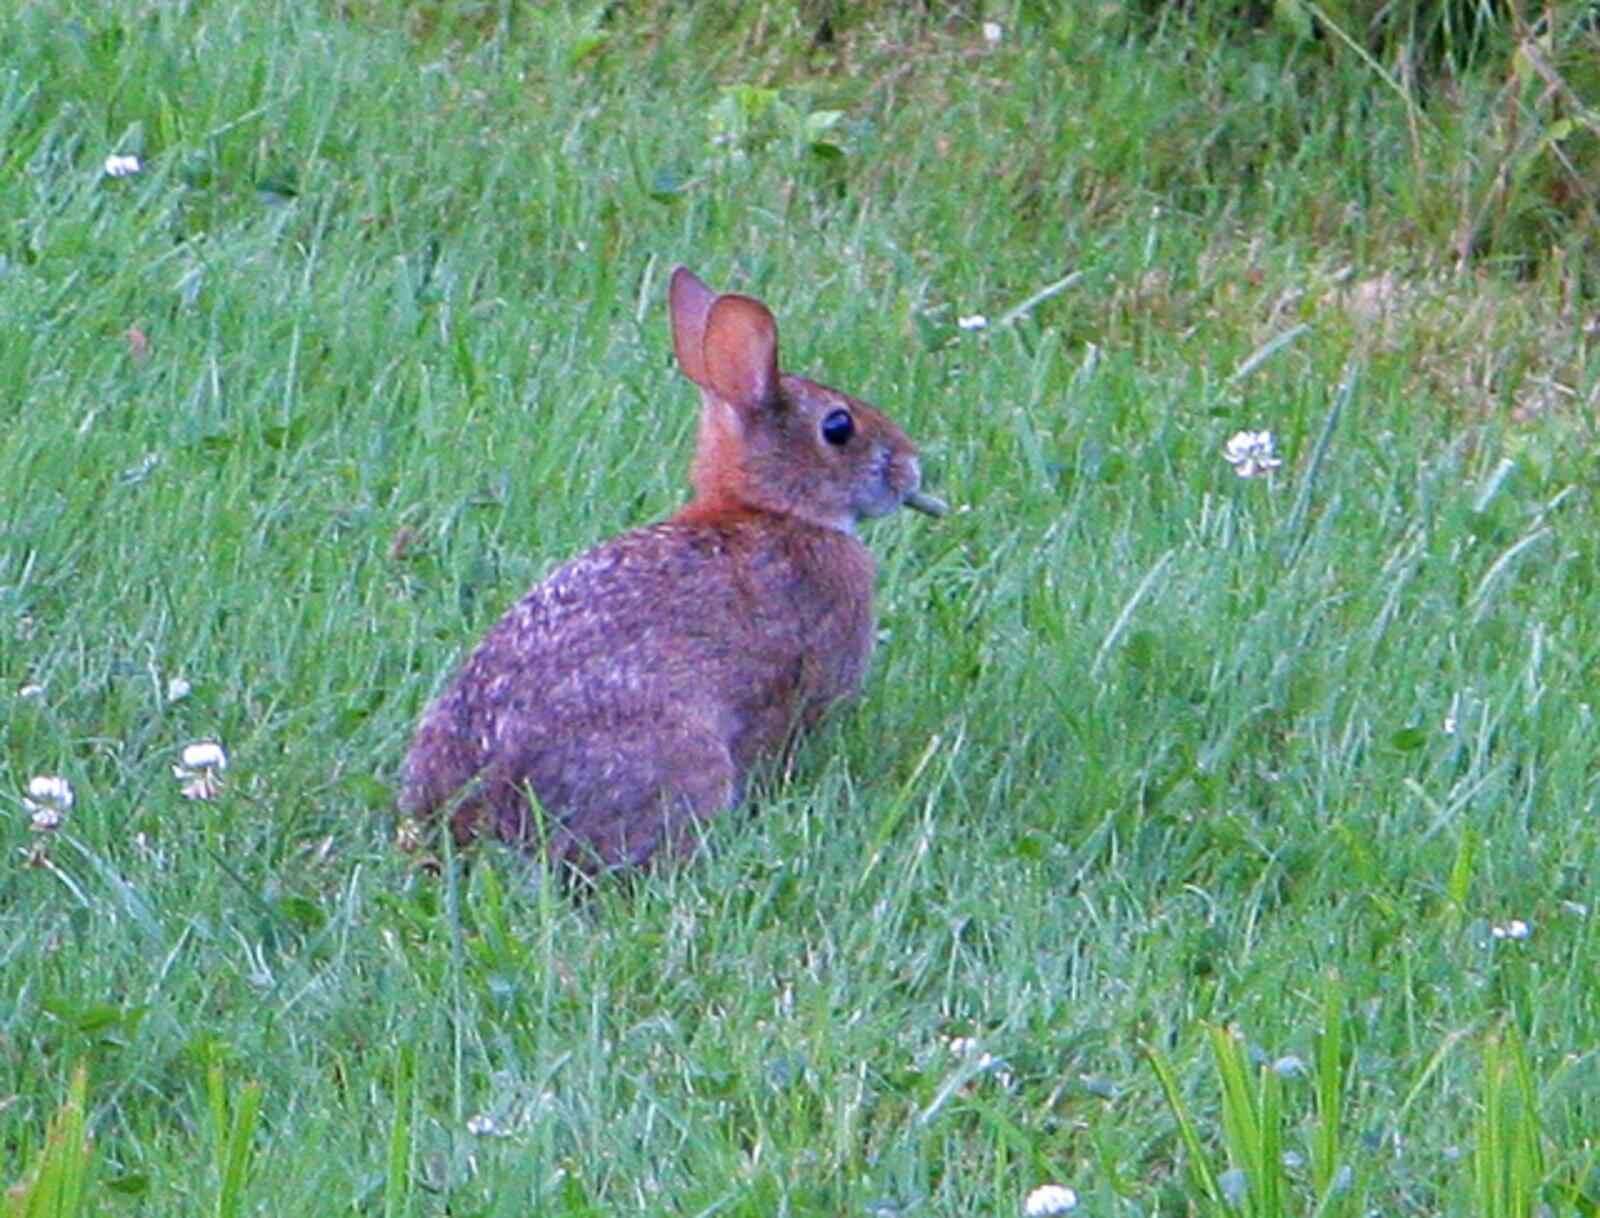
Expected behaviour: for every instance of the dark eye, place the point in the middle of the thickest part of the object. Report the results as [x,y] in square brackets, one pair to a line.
[838,427]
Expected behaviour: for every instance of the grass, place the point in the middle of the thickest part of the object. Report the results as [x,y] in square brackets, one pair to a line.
[1164,779]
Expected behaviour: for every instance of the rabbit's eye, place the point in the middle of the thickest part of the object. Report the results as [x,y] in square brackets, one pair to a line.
[838,427]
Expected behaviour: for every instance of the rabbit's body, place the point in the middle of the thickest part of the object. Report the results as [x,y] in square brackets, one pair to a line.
[612,692]
[633,689]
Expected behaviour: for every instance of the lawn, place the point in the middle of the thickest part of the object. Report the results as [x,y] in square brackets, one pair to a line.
[1201,843]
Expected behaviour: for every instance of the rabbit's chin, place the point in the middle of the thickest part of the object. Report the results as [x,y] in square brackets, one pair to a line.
[896,486]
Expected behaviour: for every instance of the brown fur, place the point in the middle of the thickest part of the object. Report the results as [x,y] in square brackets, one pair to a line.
[634,688]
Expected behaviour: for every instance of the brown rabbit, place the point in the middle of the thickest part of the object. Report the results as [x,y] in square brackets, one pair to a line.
[632,690]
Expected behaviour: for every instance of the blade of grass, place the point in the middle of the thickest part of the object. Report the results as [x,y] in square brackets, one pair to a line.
[1293,530]
[1130,606]
[1266,351]
[1480,600]
[1243,1126]
[1269,1153]
[1199,1169]
[1037,299]
[1325,1177]
[398,1175]
[897,810]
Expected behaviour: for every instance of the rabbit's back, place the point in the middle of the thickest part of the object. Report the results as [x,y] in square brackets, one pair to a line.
[632,689]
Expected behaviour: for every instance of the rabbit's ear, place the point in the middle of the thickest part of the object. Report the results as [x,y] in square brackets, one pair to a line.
[690,302]
[741,352]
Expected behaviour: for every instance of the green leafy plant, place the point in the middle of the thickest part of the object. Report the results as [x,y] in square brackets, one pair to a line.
[233,1127]
[1258,1180]
[60,1182]
[1508,1161]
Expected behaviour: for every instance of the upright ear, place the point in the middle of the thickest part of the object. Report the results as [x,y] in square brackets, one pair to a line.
[690,303]
[741,352]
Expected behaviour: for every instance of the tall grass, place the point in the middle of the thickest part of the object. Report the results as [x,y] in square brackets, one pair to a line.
[1200,842]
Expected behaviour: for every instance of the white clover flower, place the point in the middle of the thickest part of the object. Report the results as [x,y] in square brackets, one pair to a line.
[48,801]
[1049,1199]
[1251,453]
[178,688]
[973,321]
[1515,929]
[993,32]
[50,790]
[201,771]
[205,755]
[122,166]
[202,786]
[47,819]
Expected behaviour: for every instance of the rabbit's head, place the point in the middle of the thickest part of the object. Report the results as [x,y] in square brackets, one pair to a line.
[775,442]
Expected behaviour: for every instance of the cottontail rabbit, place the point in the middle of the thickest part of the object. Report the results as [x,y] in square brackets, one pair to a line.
[632,690]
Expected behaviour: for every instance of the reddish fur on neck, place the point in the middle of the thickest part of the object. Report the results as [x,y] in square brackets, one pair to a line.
[717,475]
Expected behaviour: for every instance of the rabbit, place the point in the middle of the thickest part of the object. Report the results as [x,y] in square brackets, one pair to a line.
[633,689]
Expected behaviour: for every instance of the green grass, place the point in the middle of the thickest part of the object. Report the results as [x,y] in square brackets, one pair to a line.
[1187,806]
